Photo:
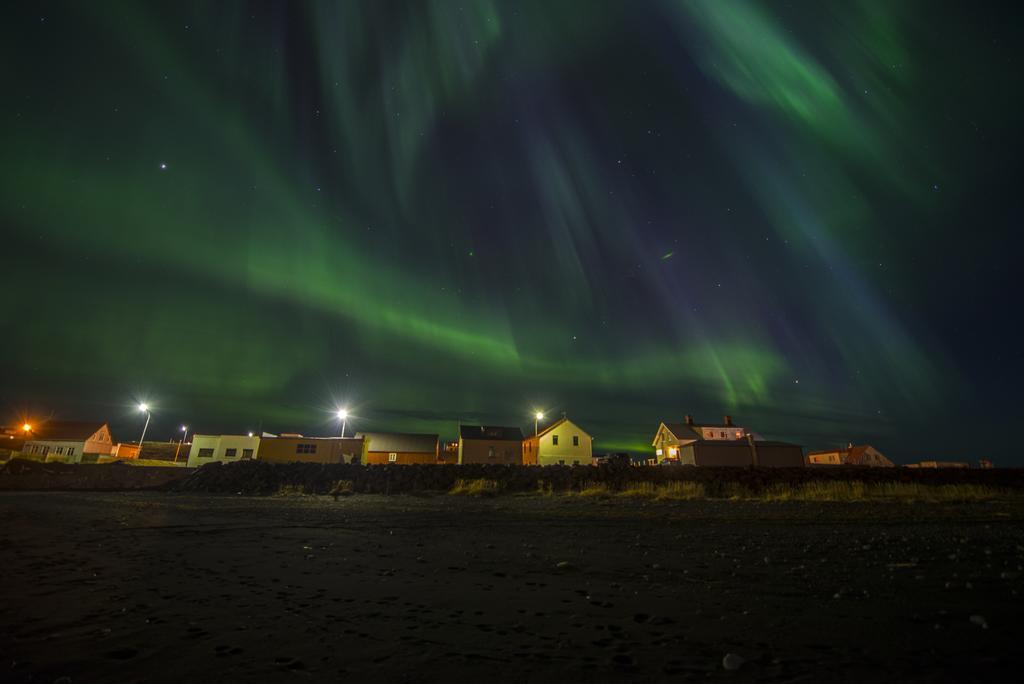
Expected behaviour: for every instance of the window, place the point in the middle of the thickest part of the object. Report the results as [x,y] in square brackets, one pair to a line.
[561,463]
[246,453]
[206,453]
[575,440]
[305,448]
[71,451]
[554,440]
[60,450]
[490,452]
[658,451]
[230,453]
[723,434]
[392,457]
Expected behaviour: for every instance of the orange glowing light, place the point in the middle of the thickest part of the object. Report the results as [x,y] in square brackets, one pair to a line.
[26,427]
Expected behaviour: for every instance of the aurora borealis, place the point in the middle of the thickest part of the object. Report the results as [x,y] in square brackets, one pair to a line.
[802,214]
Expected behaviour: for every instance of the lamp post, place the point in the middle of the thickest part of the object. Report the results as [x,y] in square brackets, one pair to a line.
[184,430]
[343,417]
[144,407]
[537,417]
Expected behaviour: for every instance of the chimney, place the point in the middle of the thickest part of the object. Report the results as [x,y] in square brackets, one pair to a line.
[727,420]
[689,419]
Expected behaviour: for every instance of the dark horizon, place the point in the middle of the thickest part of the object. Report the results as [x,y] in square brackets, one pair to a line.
[250,214]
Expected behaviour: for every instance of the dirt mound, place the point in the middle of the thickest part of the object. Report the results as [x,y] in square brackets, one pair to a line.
[25,475]
[255,477]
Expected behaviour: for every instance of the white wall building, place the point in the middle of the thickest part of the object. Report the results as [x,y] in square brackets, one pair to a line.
[67,442]
[225,448]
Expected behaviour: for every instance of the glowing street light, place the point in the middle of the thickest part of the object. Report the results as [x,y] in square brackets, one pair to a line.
[184,431]
[27,427]
[537,417]
[343,417]
[144,408]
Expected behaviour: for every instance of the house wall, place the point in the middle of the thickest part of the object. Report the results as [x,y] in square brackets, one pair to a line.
[220,445]
[738,454]
[828,458]
[53,450]
[327,450]
[401,457]
[873,457]
[505,452]
[564,452]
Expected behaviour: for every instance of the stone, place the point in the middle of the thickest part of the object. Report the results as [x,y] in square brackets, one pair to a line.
[733,661]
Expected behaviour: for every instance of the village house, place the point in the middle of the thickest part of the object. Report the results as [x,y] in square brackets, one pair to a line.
[860,455]
[561,443]
[398,447]
[295,448]
[222,448]
[490,444]
[939,464]
[721,444]
[67,441]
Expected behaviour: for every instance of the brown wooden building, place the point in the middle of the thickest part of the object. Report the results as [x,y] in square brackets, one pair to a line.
[490,444]
[299,449]
[399,447]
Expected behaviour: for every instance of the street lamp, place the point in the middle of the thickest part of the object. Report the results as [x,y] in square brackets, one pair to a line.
[27,427]
[343,417]
[144,408]
[184,430]
[537,417]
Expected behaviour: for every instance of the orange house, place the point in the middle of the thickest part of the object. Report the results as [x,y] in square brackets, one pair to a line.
[490,444]
[399,447]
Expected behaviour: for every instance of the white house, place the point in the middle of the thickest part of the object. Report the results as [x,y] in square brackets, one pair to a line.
[67,441]
[225,448]
[561,443]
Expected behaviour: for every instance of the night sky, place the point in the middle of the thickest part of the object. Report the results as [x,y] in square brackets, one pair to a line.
[802,214]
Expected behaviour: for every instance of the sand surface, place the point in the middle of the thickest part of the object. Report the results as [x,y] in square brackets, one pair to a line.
[171,587]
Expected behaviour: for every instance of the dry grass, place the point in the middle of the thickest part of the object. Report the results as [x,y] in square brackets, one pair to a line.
[854,490]
[478,487]
[675,491]
[594,490]
[884,491]
[290,490]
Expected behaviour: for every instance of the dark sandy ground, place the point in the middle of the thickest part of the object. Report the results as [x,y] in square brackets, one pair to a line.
[172,587]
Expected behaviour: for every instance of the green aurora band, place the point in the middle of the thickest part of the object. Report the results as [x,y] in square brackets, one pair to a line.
[439,212]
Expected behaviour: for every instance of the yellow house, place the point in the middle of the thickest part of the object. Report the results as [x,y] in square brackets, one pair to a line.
[561,443]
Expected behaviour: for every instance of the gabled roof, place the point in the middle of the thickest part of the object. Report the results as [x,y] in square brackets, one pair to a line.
[558,422]
[400,441]
[64,431]
[493,432]
[681,431]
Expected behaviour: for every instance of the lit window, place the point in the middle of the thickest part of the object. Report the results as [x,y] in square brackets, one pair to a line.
[392,457]
[673,451]
[658,451]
